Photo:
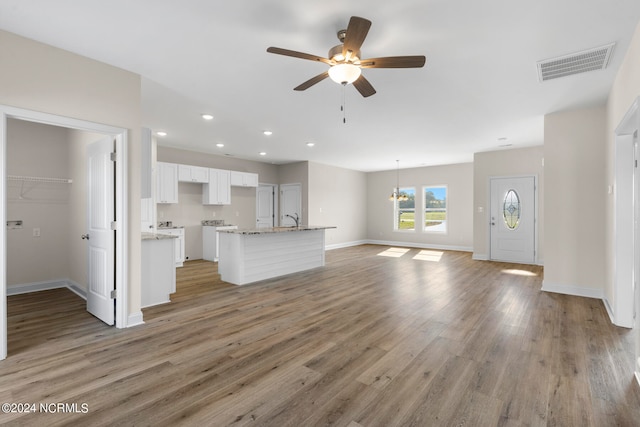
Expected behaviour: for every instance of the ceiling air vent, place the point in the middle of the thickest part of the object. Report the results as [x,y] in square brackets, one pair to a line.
[575,63]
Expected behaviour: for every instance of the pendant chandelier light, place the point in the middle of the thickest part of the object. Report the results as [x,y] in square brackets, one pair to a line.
[396,195]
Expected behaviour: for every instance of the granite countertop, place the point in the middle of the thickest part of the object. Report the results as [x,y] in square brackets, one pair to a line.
[155,236]
[270,230]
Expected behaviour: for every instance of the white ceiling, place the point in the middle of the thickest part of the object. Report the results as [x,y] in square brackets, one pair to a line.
[479,84]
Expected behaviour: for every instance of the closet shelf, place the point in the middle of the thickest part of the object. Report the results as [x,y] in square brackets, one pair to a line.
[39,179]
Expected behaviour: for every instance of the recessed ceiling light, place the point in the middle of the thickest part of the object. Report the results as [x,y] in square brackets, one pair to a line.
[219,145]
[262,153]
[207,116]
[310,144]
[161,133]
[267,132]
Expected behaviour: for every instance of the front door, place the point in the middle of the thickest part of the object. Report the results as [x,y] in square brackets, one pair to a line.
[513,213]
[100,237]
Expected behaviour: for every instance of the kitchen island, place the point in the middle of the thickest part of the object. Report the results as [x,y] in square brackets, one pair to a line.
[248,256]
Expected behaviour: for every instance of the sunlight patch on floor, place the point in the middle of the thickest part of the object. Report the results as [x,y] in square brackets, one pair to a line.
[394,252]
[517,272]
[425,255]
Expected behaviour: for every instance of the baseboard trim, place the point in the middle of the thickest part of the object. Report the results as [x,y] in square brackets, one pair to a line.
[577,291]
[607,307]
[419,245]
[480,257]
[135,319]
[26,288]
[345,245]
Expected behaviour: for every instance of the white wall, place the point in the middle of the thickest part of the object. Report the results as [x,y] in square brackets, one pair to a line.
[459,181]
[512,162]
[338,197]
[575,202]
[42,78]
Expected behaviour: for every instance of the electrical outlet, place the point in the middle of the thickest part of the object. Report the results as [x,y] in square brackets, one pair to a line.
[36,232]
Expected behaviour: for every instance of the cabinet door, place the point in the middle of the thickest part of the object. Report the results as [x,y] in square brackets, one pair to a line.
[224,187]
[199,174]
[184,173]
[218,190]
[167,176]
[251,179]
[244,179]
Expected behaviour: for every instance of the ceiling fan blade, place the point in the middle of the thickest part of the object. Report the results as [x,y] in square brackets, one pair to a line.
[364,87]
[312,81]
[356,33]
[302,55]
[394,62]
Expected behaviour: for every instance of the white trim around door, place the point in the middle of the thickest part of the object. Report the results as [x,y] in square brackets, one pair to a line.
[121,195]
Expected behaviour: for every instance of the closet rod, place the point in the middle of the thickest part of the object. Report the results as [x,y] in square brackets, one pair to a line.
[39,179]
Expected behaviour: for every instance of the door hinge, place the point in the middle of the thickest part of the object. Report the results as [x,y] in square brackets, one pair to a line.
[114,225]
[114,156]
[114,294]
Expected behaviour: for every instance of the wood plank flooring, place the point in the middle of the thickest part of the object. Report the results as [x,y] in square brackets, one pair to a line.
[367,340]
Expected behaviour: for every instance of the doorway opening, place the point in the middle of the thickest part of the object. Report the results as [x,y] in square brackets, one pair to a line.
[119,138]
[266,205]
[291,205]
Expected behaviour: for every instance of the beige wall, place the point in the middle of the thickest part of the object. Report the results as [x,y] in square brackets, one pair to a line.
[39,151]
[338,197]
[513,162]
[42,78]
[625,90]
[459,181]
[575,201]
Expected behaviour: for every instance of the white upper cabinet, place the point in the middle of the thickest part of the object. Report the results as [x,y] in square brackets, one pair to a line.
[218,190]
[187,173]
[167,182]
[244,179]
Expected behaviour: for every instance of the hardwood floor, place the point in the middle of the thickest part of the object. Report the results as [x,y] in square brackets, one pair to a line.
[367,340]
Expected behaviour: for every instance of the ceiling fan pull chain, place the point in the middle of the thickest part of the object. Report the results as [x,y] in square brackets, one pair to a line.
[343,107]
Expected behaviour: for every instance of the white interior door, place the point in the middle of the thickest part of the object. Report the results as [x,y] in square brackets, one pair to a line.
[513,214]
[100,236]
[290,204]
[264,206]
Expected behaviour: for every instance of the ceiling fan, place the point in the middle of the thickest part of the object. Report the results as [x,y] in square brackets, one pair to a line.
[345,63]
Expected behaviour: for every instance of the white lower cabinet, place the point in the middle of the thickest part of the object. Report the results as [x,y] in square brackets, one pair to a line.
[158,274]
[179,243]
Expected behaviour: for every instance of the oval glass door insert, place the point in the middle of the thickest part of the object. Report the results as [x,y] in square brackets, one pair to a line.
[511,209]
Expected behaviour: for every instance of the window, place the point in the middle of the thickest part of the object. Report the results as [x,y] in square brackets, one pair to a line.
[435,209]
[405,210]
[511,209]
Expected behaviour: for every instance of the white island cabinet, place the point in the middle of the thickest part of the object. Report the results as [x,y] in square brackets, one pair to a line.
[248,256]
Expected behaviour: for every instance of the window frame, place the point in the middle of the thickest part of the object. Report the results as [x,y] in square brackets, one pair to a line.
[396,209]
[424,227]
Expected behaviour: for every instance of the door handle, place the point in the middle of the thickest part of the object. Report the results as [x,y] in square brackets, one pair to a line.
[85,237]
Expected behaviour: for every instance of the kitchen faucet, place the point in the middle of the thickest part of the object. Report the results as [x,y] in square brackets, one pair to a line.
[296,218]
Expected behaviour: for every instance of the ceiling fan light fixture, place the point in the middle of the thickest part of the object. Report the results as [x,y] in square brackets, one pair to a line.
[344,73]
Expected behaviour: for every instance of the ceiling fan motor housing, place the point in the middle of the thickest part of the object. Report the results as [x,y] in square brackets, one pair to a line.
[335,54]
